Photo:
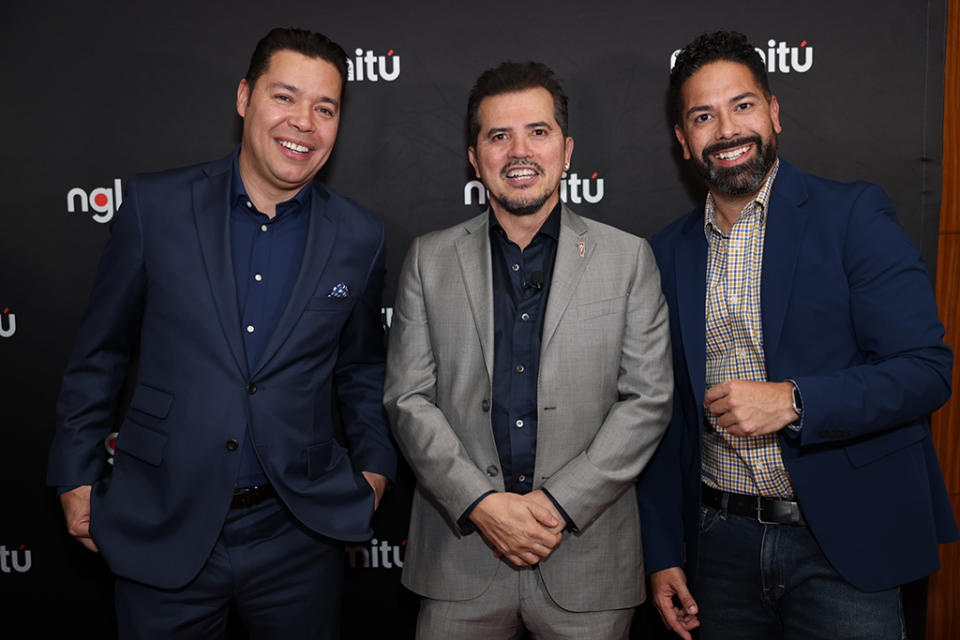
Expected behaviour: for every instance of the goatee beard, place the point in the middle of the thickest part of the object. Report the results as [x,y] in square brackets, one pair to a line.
[521,206]
[743,178]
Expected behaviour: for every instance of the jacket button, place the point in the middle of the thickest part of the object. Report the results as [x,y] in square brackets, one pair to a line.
[485,405]
[252,388]
[232,445]
[492,471]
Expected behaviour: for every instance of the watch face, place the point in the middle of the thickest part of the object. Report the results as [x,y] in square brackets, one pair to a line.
[797,402]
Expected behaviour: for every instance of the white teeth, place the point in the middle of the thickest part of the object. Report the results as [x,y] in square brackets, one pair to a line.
[521,173]
[733,153]
[299,148]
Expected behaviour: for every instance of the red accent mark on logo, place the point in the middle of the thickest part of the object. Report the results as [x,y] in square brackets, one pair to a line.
[402,544]
[22,547]
[595,174]
[100,200]
[6,309]
[390,53]
[803,44]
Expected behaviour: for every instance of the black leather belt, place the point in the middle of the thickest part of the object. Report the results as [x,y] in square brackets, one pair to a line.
[249,496]
[764,510]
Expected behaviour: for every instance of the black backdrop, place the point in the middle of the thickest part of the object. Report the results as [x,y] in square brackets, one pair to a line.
[96,91]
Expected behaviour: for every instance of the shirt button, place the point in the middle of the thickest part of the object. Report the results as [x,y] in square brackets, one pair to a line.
[249,328]
[515,267]
[521,477]
[249,205]
[525,317]
[232,445]
[258,277]
[519,424]
[519,368]
[263,227]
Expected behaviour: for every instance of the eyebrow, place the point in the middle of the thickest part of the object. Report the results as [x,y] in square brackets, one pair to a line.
[296,91]
[531,125]
[736,98]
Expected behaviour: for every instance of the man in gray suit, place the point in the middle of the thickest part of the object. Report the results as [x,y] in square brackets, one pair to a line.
[528,382]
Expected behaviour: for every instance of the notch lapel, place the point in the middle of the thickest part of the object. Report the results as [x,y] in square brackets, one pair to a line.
[568,266]
[211,212]
[473,255]
[786,222]
[690,264]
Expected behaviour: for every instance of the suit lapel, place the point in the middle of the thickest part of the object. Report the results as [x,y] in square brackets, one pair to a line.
[786,221]
[211,212]
[568,266]
[691,282]
[473,254]
[321,234]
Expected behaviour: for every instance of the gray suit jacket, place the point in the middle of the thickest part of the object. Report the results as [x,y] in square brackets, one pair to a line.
[604,398]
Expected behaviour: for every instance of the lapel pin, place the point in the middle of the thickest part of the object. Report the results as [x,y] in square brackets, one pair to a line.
[580,248]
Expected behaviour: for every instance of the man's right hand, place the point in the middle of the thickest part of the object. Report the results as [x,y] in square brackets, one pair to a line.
[666,584]
[76,508]
[518,529]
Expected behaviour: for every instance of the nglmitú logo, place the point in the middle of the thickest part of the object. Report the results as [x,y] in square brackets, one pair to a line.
[375,555]
[778,57]
[103,200]
[573,189]
[15,560]
[370,67]
[8,323]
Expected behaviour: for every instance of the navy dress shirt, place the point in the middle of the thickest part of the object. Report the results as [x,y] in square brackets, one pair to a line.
[267,254]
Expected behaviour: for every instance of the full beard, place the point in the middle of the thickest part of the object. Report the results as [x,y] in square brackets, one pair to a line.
[743,178]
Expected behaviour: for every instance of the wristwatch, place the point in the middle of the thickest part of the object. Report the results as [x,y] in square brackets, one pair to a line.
[797,405]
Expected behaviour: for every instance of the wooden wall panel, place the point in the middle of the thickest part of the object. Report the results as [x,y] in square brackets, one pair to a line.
[943,599]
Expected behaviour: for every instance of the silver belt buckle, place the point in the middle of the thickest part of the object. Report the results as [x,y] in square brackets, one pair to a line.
[760,512]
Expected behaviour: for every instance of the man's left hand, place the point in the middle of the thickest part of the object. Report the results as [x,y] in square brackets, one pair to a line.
[751,409]
[378,483]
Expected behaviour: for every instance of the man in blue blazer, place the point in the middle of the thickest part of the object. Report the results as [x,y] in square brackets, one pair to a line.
[797,486]
[249,297]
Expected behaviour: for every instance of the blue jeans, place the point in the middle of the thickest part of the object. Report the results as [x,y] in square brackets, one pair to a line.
[773,581]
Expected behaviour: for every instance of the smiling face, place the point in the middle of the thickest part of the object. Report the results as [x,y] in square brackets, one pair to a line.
[290,119]
[728,127]
[520,151]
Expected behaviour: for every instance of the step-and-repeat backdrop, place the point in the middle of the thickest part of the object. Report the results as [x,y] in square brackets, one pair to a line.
[93,92]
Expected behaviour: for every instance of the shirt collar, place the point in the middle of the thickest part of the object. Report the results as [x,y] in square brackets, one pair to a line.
[550,226]
[238,192]
[759,203]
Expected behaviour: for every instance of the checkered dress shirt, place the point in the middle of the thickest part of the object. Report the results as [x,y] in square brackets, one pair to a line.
[734,337]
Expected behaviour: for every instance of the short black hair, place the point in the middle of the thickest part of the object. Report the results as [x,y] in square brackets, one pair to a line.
[308,43]
[511,76]
[712,47]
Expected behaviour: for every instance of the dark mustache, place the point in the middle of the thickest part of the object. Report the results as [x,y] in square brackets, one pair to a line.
[731,144]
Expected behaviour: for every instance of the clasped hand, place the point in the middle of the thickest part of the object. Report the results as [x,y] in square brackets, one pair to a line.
[524,529]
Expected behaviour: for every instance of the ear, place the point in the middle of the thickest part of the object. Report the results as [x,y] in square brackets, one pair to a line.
[243,97]
[472,155]
[775,114]
[568,149]
[682,139]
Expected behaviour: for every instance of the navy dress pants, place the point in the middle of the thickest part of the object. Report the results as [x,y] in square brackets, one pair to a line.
[284,580]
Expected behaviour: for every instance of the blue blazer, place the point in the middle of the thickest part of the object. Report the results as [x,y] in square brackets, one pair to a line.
[165,298]
[849,313]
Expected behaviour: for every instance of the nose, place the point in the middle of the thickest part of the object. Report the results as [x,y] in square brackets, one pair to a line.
[728,126]
[301,118]
[520,147]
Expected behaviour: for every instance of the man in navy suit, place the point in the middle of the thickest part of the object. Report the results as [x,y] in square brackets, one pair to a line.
[797,486]
[249,297]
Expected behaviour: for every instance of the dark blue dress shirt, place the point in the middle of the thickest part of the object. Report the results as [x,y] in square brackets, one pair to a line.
[521,285]
[267,254]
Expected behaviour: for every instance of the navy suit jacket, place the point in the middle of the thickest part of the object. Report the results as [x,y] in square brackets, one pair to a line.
[849,313]
[165,298]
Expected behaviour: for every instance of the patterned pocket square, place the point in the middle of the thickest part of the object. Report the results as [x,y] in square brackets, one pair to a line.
[340,290]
